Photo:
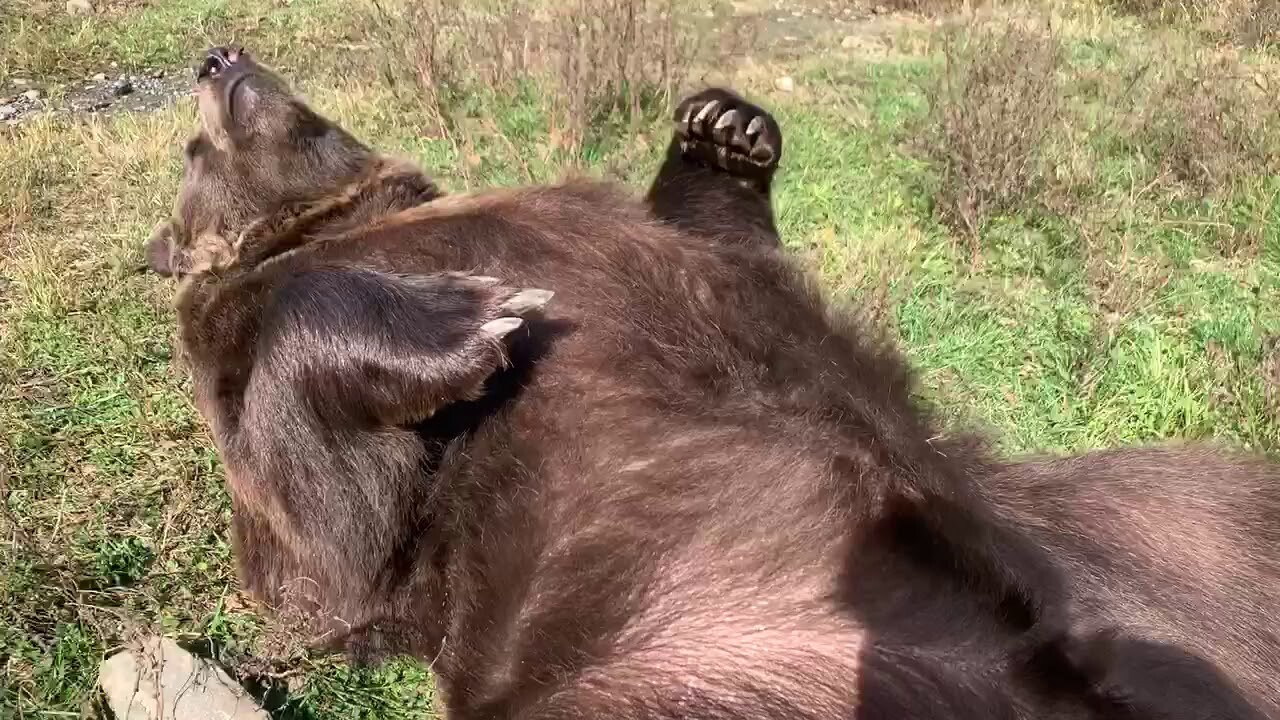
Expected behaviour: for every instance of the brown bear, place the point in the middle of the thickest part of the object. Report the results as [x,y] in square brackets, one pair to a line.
[597,457]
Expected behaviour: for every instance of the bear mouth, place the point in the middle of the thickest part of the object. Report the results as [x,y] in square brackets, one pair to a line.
[217,61]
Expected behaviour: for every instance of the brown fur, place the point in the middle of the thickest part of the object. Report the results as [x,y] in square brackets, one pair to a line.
[688,489]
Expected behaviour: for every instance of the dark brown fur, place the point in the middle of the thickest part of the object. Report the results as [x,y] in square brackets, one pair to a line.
[688,489]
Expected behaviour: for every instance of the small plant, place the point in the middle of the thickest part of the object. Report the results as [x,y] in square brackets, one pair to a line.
[1213,126]
[594,61]
[120,563]
[1251,23]
[991,112]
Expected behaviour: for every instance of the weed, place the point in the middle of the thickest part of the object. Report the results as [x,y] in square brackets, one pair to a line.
[595,63]
[119,563]
[991,111]
[1252,23]
[1212,125]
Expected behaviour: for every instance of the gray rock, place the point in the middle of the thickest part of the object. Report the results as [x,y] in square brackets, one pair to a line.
[785,84]
[161,680]
[31,95]
[7,111]
[100,77]
[20,81]
[121,87]
[79,7]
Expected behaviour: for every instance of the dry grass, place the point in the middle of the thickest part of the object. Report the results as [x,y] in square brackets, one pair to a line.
[1252,23]
[1211,132]
[596,63]
[930,8]
[991,111]
[1213,123]
[105,475]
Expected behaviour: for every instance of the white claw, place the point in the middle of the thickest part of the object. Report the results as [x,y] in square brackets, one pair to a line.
[756,125]
[684,122]
[707,110]
[726,119]
[501,327]
[527,300]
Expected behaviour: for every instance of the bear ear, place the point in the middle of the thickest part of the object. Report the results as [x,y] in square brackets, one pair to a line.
[366,349]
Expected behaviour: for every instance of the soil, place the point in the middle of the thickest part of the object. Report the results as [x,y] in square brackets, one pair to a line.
[103,93]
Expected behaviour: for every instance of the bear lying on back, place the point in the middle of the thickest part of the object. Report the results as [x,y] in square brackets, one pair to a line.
[601,458]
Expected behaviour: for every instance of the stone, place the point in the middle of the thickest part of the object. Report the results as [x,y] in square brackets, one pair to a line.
[785,84]
[121,87]
[849,42]
[97,105]
[161,680]
[879,10]
[79,7]
[31,95]
[157,73]
[21,81]
[100,77]
[7,111]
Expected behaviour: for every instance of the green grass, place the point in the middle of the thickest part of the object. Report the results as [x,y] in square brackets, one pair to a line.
[1134,317]
[50,43]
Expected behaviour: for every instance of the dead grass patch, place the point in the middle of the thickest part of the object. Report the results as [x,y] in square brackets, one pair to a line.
[1213,124]
[1250,23]
[991,112]
[1121,280]
[1213,131]
[931,8]
[595,63]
